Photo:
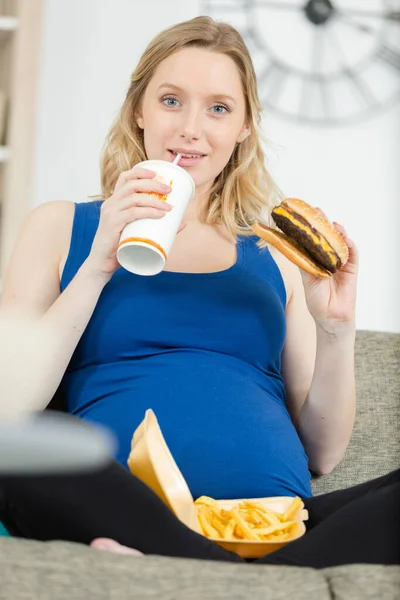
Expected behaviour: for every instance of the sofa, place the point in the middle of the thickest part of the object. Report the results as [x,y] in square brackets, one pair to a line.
[57,570]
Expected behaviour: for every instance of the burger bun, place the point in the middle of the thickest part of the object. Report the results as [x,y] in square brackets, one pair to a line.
[282,243]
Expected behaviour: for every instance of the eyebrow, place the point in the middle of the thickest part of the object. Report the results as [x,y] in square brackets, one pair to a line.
[166,84]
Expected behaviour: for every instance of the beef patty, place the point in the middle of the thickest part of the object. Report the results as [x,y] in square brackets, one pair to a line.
[309,240]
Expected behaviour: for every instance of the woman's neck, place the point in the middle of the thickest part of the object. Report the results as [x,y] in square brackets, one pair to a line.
[195,207]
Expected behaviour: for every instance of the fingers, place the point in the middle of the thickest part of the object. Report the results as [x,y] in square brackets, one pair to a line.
[135,173]
[321,212]
[353,251]
[343,233]
[139,212]
[136,199]
[336,225]
[340,228]
[142,186]
[142,193]
[144,201]
[352,263]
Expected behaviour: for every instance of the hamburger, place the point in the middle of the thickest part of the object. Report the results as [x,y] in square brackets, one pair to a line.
[305,237]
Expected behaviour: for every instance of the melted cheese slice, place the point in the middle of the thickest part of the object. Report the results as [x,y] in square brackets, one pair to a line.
[316,237]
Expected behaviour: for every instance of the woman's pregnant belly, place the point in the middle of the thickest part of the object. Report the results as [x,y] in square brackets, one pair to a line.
[224,421]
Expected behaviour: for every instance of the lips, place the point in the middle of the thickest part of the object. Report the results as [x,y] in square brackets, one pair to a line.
[187,160]
[187,154]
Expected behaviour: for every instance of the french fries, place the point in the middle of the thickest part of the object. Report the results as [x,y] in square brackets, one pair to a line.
[246,521]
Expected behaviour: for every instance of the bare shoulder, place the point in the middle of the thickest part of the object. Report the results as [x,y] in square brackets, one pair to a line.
[54,221]
[58,214]
[43,241]
[289,271]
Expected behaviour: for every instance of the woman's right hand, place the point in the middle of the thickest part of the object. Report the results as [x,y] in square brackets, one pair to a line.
[129,202]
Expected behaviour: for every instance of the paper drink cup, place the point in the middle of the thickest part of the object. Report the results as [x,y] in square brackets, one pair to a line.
[145,244]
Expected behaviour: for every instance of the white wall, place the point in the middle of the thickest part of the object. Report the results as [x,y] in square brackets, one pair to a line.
[89,50]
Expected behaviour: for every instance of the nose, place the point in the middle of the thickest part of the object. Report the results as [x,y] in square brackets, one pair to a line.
[192,124]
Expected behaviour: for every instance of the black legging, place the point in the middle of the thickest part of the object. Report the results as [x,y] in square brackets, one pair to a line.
[357,525]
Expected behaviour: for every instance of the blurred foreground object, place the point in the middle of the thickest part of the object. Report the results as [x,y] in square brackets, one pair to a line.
[52,443]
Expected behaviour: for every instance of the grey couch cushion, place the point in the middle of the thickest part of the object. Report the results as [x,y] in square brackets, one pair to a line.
[64,571]
[364,582]
[374,447]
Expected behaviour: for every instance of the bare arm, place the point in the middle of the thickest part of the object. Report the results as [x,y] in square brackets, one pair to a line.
[41,327]
[318,369]
[327,416]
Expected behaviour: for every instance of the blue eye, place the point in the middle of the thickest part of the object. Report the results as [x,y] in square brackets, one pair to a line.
[166,101]
[172,102]
[225,109]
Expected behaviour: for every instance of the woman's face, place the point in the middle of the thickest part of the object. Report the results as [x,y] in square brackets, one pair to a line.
[194,104]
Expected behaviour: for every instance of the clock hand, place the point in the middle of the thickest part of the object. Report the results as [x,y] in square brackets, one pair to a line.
[313,87]
[359,84]
[393,15]
[391,56]
[319,56]
[277,74]
[353,23]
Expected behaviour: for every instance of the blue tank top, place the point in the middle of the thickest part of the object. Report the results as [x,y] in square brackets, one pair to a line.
[203,350]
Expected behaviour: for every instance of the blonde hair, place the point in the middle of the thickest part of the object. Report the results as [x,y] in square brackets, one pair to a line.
[244,191]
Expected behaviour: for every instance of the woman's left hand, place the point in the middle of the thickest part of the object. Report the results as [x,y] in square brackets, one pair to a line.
[332,302]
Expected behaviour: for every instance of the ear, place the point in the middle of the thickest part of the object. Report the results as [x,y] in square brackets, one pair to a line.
[245,132]
[139,120]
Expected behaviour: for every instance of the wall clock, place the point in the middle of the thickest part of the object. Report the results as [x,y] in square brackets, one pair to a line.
[330,62]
